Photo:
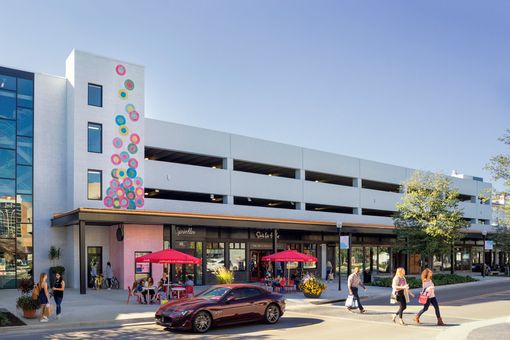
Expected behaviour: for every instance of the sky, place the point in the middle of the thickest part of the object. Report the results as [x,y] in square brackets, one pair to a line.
[422,84]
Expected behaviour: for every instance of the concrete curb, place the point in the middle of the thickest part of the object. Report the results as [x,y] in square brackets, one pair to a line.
[4,331]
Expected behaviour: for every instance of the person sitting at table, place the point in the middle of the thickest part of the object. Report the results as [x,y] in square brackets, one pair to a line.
[138,289]
[161,291]
[189,281]
[149,289]
[276,283]
[296,278]
[164,278]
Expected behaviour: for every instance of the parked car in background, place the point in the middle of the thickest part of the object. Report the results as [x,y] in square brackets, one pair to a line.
[222,305]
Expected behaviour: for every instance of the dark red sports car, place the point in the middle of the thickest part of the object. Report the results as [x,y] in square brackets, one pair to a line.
[222,305]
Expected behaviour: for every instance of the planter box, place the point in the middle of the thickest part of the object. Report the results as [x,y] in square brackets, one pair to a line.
[29,313]
[312,296]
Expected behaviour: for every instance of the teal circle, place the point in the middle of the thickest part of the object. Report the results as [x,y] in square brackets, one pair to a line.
[120,120]
[131,173]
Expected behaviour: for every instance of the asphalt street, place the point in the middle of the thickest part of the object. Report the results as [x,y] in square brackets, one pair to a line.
[473,312]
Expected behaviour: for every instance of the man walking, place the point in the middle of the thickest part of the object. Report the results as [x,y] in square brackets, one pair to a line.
[353,283]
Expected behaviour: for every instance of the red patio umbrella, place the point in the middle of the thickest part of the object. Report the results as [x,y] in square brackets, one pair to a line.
[169,256]
[289,256]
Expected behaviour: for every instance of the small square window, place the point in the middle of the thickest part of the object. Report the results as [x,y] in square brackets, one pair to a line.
[94,185]
[95,95]
[95,138]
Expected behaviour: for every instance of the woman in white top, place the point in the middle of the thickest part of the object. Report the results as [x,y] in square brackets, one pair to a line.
[429,289]
[401,292]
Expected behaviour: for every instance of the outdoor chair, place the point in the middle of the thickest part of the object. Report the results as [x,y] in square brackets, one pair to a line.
[189,291]
[130,294]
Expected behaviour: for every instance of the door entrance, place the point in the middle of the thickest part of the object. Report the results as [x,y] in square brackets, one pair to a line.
[94,259]
[258,268]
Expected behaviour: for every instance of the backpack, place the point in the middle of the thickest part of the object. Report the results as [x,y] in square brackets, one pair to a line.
[35,292]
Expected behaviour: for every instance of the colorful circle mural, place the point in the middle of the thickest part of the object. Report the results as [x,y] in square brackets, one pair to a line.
[129,108]
[131,173]
[126,186]
[120,69]
[120,120]
[132,148]
[115,159]
[124,156]
[123,130]
[129,84]
[123,94]
[133,163]
[117,142]
[134,138]
[139,192]
[128,182]
[134,116]
[108,201]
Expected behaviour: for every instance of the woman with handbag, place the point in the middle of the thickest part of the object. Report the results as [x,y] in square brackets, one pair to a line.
[400,292]
[428,297]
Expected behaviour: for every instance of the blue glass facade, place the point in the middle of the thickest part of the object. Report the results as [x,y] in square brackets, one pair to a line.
[16,175]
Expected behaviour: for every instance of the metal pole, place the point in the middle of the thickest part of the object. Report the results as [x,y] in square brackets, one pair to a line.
[339,226]
[483,264]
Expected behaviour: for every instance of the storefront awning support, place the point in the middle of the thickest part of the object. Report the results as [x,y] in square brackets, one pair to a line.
[83,258]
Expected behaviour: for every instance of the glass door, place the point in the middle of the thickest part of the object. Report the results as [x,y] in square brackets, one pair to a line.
[95,259]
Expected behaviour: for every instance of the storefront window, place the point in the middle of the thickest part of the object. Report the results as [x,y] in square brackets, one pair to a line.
[215,255]
[447,265]
[142,269]
[310,249]
[384,260]
[344,259]
[237,256]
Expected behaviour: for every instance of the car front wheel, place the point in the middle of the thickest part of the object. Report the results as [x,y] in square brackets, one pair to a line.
[202,322]
[272,314]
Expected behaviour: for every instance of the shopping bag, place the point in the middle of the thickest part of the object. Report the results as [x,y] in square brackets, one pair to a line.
[423,297]
[350,302]
[393,299]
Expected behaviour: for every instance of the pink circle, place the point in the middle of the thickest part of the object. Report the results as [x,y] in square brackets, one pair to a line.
[139,191]
[115,159]
[108,201]
[139,202]
[114,184]
[134,115]
[120,192]
[134,138]
[128,182]
[117,142]
[138,181]
[121,70]
[124,202]
[133,163]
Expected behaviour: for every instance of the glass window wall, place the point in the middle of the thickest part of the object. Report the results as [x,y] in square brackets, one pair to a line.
[215,255]
[237,256]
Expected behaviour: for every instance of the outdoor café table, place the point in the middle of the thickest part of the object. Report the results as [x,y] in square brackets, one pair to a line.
[178,290]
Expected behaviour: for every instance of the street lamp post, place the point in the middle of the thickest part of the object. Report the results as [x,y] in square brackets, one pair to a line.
[484,233]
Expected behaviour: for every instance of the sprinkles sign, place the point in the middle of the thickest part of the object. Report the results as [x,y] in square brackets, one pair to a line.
[125,189]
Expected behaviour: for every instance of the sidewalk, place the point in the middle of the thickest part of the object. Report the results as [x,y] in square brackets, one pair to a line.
[109,307]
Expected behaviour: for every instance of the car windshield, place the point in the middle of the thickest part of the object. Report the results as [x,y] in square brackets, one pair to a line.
[214,293]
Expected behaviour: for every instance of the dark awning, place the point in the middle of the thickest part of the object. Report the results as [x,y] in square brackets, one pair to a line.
[112,217]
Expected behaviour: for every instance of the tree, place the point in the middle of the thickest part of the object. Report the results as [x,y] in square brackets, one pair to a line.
[428,220]
[499,167]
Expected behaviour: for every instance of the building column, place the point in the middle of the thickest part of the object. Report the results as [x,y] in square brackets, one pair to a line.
[83,258]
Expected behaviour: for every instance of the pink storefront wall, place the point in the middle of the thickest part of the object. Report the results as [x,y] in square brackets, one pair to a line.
[136,238]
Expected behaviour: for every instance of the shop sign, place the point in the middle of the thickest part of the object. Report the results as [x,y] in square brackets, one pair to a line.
[254,246]
[186,232]
[266,235]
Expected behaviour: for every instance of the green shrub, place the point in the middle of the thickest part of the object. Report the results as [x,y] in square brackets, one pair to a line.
[438,279]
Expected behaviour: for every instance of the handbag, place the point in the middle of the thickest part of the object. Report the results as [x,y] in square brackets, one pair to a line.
[423,297]
[350,302]
[393,298]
